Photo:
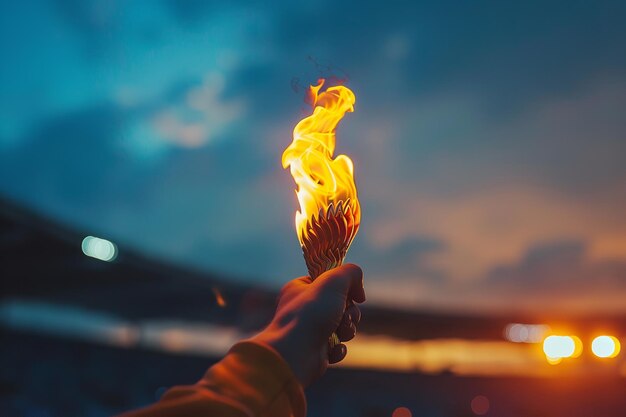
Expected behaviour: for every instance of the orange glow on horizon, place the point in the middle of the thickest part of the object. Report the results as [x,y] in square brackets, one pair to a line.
[458,356]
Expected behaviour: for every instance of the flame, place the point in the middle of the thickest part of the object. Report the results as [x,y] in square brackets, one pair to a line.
[321,180]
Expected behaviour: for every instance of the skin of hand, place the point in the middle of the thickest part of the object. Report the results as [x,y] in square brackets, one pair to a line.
[308,312]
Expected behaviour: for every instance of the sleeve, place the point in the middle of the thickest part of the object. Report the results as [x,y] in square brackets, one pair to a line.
[252,380]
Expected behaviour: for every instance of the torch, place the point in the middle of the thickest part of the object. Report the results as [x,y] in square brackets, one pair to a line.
[330,213]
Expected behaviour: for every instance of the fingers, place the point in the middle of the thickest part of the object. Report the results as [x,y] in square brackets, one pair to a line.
[354,312]
[347,328]
[337,353]
[346,332]
[346,280]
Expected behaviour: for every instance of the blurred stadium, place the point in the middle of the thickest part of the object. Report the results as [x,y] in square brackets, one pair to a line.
[83,336]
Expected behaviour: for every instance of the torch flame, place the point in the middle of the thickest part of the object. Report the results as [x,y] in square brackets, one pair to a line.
[323,182]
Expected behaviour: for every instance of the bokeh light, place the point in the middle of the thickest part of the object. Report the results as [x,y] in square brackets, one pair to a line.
[556,347]
[525,333]
[480,405]
[402,412]
[605,346]
[219,298]
[101,249]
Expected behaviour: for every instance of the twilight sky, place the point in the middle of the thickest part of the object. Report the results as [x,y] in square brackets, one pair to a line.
[489,139]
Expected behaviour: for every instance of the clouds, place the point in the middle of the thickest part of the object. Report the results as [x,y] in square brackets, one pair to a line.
[549,264]
[487,138]
[550,279]
[197,116]
[561,276]
[404,256]
[492,189]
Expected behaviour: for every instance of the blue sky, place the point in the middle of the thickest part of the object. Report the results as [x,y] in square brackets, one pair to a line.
[489,139]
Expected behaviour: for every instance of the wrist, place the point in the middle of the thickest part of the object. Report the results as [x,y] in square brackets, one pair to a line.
[282,339]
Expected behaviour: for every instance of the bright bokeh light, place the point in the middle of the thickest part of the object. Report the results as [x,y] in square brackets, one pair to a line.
[480,405]
[101,249]
[525,333]
[402,412]
[605,346]
[556,347]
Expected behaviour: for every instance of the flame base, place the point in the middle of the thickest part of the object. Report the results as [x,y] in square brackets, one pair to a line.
[327,238]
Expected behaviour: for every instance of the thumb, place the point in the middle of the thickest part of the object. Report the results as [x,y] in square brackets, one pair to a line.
[346,280]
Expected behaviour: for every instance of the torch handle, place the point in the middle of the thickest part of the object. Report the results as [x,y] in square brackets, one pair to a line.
[333,340]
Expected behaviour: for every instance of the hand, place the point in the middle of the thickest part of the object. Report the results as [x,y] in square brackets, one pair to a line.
[308,313]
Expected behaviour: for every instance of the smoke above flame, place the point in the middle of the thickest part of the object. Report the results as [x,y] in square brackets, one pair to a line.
[321,181]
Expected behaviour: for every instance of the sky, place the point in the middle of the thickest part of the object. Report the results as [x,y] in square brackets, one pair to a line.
[488,138]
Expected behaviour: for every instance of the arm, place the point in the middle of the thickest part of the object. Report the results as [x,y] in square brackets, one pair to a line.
[265,375]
